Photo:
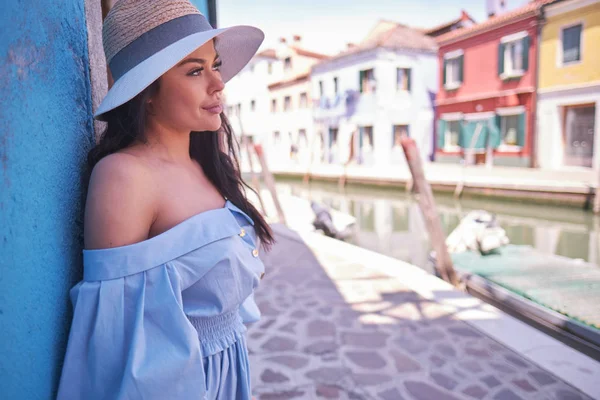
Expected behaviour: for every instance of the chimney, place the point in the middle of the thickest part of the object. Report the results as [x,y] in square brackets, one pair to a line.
[282,40]
[350,46]
[495,7]
[297,38]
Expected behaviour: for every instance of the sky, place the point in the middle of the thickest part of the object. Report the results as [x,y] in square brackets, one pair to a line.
[326,26]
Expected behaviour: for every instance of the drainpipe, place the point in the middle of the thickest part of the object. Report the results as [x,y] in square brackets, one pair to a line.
[533,163]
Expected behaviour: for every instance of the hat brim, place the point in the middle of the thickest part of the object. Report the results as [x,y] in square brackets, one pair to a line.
[235,45]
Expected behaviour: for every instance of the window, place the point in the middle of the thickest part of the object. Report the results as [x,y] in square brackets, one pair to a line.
[270,68]
[302,140]
[303,100]
[571,44]
[274,105]
[399,131]
[513,56]
[287,103]
[452,134]
[253,105]
[276,137]
[238,109]
[335,85]
[367,81]
[509,127]
[403,79]
[366,138]
[453,71]
[333,136]
[287,63]
[320,88]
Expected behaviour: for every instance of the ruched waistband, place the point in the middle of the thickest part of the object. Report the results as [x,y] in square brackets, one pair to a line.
[218,332]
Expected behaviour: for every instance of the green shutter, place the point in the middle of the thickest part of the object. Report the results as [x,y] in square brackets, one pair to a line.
[500,58]
[441,133]
[525,53]
[521,130]
[461,66]
[495,134]
[360,80]
[444,71]
[408,77]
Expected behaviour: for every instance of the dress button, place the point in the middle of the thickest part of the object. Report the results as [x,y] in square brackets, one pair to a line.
[262,275]
[255,253]
[242,232]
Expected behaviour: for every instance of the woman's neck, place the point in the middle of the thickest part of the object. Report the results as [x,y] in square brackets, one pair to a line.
[168,144]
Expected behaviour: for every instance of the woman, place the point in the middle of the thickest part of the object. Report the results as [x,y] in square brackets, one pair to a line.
[171,258]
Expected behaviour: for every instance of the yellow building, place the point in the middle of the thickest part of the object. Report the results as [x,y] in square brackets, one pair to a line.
[569,85]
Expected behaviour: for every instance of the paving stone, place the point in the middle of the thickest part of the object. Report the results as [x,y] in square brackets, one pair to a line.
[325,310]
[298,314]
[266,324]
[404,363]
[542,378]
[291,394]
[277,343]
[437,361]
[370,379]
[291,361]
[424,391]
[491,381]
[503,368]
[516,361]
[524,385]
[471,366]
[444,380]
[365,359]
[270,376]
[563,394]
[267,310]
[446,350]
[321,348]
[475,391]
[318,328]
[506,394]
[328,392]
[478,352]
[327,374]
[431,335]
[391,394]
[464,331]
[372,340]
[289,327]
[413,346]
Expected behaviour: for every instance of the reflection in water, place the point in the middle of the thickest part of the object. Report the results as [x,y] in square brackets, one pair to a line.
[390,221]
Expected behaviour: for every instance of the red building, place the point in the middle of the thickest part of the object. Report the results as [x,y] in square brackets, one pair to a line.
[487,96]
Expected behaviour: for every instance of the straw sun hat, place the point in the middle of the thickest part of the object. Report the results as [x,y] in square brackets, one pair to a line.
[143,39]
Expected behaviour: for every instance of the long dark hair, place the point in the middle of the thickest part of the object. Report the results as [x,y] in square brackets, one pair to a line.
[216,152]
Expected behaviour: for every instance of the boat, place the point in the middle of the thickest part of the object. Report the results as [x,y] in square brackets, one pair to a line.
[558,294]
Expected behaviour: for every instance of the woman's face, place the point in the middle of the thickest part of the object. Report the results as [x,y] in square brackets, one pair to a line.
[189,94]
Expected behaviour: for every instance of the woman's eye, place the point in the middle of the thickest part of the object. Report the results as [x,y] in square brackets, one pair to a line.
[196,72]
[217,66]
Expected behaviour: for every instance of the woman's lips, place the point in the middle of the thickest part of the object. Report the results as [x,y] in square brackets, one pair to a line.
[216,109]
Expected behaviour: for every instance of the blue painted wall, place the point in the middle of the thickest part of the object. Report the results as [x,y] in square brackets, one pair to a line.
[45,133]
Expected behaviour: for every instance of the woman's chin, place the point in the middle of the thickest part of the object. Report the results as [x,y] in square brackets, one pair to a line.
[212,124]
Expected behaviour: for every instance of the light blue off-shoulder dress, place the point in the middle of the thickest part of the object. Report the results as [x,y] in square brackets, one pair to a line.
[164,318]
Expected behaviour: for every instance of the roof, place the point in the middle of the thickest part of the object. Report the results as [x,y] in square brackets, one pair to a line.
[464,17]
[308,53]
[268,53]
[392,35]
[529,9]
[289,82]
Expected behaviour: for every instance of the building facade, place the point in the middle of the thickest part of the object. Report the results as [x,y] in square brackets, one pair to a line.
[368,96]
[569,86]
[486,103]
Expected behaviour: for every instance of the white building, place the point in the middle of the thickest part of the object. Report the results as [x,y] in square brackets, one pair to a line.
[369,95]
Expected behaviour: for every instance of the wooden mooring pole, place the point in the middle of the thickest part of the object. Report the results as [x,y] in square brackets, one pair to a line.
[429,210]
[269,181]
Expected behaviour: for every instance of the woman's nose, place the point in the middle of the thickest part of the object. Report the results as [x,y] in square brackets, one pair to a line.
[217,84]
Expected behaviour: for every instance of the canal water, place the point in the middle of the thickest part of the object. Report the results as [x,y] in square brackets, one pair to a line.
[389,221]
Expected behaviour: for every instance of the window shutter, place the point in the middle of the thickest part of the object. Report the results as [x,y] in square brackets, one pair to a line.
[500,58]
[360,80]
[444,71]
[441,134]
[495,134]
[408,78]
[521,130]
[461,65]
[526,40]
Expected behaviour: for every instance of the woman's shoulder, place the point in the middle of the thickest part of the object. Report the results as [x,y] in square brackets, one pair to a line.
[120,203]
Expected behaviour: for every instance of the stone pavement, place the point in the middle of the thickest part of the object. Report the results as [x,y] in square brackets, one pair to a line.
[335,329]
